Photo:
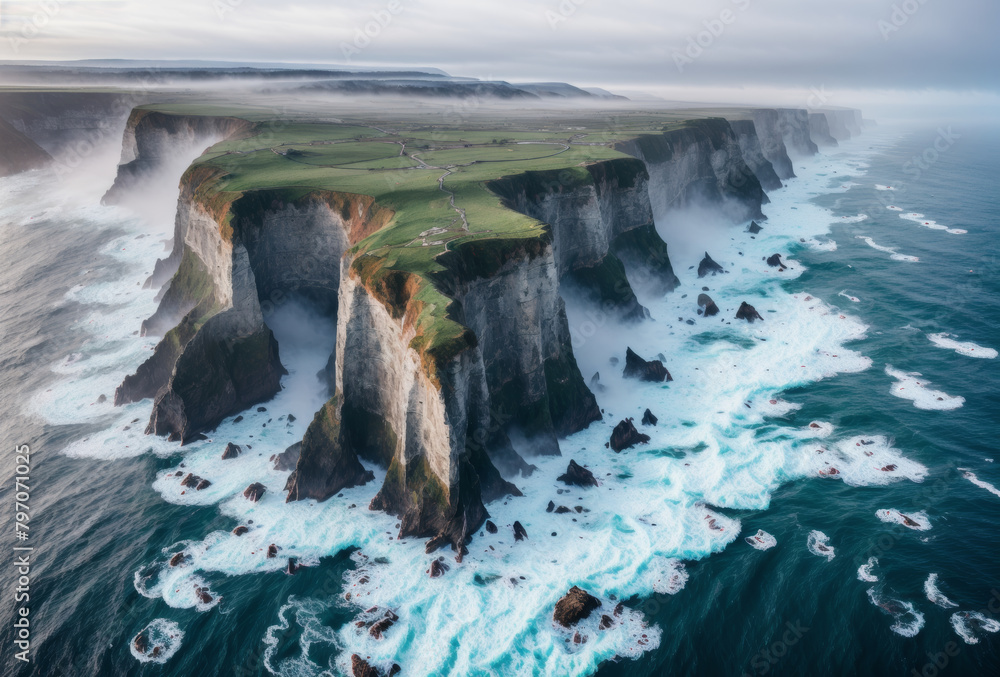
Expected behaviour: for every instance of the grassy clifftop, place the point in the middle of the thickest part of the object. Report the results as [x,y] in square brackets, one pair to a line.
[427,205]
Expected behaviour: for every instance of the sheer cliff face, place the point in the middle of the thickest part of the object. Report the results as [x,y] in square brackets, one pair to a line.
[699,164]
[819,130]
[794,124]
[753,154]
[66,122]
[844,123]
[767,122]
[18,153]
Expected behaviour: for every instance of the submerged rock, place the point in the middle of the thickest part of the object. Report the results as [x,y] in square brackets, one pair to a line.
[577,475]
[361,668]
[708,266]
[379,628]
[748,313]
[272,551]
[240,530]
[519,532]
[707,305]
[754,228]
[576,605]
[438,568]
[190,480]
[179,559]
[625,435]
[648,418]
[651,370]
[232,451]
[254,492]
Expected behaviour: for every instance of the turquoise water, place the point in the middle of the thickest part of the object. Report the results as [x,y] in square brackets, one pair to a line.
[700,600]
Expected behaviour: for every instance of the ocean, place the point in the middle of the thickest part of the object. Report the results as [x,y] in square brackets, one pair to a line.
[850,435]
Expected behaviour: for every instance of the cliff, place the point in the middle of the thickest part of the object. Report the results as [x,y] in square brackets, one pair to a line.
[794,126]
[753,154]
[819,130]
[18,153]
[700,163]
[768,124]
[66,123]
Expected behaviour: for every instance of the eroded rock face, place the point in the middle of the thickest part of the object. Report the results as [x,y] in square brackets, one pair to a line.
[795,131]
[644,370]
[254,492]
[748,313]
[625,435]
[707,305]
[746,135]
[769,128]
[575,606]
[232,451]
[819,130]
[577,475]
[709,267]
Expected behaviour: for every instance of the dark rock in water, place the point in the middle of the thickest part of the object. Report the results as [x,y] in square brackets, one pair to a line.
[254,492]
[179,559]
[203,484]
[748,313]
[438,568]
[240,530]
[380,627]
[551,506]
[291,418]
[190,480]
[606,622]
[648,418]
[141,642]
[614,361]
[595,383]
[619,609]
[101,399]
[202,594]
[774,260]
[562,510]
[232,451]
[287,459]
[577,475]
[576,605]
[238,419]
[707,305]
[625,435]
[292,566]
[652,370]
[754,228]
[272,551]
[361,668]
[491,527]
[707,266]
[261,409]
[519,532]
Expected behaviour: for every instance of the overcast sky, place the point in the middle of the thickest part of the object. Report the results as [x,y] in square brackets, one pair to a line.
[621,44]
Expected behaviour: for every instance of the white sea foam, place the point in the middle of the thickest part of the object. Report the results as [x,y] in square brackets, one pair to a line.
[879,186]
[894,208]
[658,505]
[762,540]
[971,476]
[935,595]
[911,386]
[967,348]
[933,225]
[819,545]
[888,250]
[918,521]
[865,571]
[967,623]
[163,640]
[907,621]
[854,219]
[853,299]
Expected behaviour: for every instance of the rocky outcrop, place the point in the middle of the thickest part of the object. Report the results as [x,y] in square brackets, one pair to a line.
[576,605]
[607,286]
[706,306]
[625,435]
[18,153]
[648,418]
[644,254]
[819,130]
[770,134]
[231,451]
[844,123]
[697,164]
[754,228]
[774,261]
[577,475]
[753,155]
[651,370]
[708,266]
[325,464]
[748,313]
